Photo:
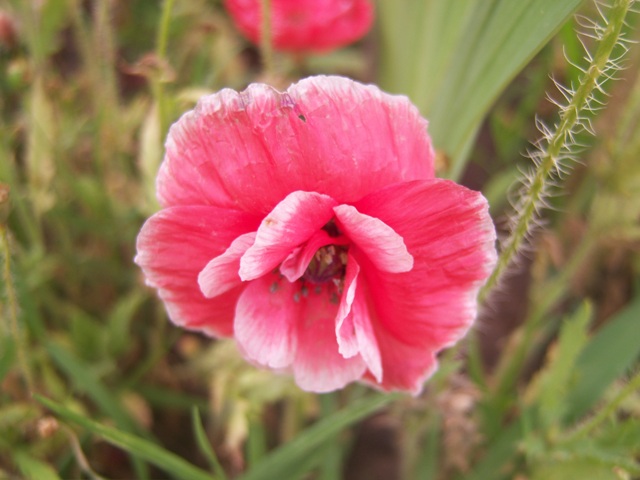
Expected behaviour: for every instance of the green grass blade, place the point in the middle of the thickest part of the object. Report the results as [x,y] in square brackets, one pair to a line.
[290,460]
[163,459]
[85,381]
[470,52]
[204,445]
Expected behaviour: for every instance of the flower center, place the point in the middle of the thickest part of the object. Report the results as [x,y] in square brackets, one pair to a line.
[329,262]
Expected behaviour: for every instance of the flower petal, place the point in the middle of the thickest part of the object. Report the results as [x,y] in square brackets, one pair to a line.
[353,326]
[384,247]
[448,230]
[329,135]
[221,273]
[303,25]
[296,263]
[406,367]
[294,220]
[266,321]
[318,366]
[173,247]
[345,328]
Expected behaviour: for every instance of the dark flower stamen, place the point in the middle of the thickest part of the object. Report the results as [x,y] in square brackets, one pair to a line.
[329,262]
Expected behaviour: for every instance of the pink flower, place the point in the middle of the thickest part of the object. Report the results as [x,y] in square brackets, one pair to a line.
[309,226]
[301,25]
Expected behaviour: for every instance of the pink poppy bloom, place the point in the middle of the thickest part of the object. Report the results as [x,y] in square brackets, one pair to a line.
[305,25]
[309,226]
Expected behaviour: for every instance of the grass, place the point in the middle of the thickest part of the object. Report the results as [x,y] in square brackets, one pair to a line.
[96,383]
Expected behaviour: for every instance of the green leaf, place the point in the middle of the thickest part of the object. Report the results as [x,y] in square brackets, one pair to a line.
[293,459]
[7,355]
[34,469]
[608,355]
[573,468]
[621,436]
[13,414]
[164,459]
[119,321]
[556,378]
[502,450]
[256,444]
[204,445]
[470,51]
[429,462]
[86,382]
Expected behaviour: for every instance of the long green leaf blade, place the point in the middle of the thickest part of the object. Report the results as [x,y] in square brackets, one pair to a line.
[137,446]
[471,51]
[288,461]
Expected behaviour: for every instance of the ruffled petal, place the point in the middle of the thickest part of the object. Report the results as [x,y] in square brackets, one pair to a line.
[345,328]
[354,330]
[278,326]
[173,247]
[451,236]
[294,220]
[368,346]
[267,320]
[221,273]
[384,247]
[296,263]
[329,135]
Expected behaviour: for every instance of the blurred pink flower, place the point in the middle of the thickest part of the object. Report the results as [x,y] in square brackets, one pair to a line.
[309,226]
[305,25]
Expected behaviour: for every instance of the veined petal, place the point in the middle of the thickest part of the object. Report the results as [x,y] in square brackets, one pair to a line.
[354,330]
[279,327]
[345,327]
[294,220]
[448,230]
[267,320]
[318,366]
[329,135]
[384,247]
[296,263]
[221,273]
[173,247]
[406,367]
[368,345]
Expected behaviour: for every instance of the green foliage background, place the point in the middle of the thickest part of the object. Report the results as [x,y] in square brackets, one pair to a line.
[96,383]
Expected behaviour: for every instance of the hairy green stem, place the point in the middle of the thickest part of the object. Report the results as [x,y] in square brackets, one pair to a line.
[558,141]
[12,307]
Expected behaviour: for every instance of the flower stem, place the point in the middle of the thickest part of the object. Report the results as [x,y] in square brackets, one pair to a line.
[266,40]
[12,306]
[162,40]
[558,142]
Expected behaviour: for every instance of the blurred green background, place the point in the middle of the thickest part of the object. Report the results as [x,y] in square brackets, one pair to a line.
[547,385]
